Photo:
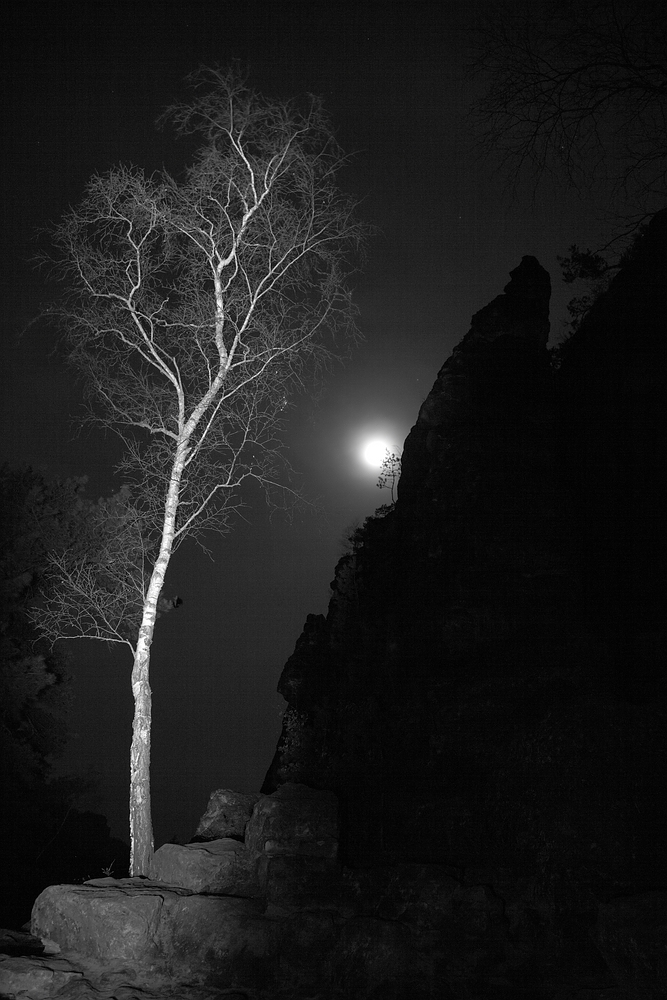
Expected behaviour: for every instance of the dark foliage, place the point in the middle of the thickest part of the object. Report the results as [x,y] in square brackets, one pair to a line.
[43,837]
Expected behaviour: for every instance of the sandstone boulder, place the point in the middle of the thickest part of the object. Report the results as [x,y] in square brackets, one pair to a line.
[113,920]
[226,814]
[295,819]
[157,933]
[222,866]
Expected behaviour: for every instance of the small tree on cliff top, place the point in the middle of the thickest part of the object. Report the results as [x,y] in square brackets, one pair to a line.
[390,473]
[193,308]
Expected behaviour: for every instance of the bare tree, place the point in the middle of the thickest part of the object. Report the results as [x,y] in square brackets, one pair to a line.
[577,90]
[194,308]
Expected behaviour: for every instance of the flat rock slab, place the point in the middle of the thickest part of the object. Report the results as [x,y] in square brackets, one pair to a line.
[223,866]
[152,930]
[36,978]
[62,979]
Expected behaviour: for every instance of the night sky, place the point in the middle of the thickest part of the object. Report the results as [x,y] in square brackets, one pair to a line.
[82,87]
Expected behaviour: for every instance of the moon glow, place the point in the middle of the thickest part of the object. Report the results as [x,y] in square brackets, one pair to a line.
[374,452]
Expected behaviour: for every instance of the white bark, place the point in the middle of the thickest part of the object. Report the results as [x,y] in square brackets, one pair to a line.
[141,827]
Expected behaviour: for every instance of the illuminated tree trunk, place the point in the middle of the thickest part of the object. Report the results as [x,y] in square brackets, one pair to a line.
[141,824]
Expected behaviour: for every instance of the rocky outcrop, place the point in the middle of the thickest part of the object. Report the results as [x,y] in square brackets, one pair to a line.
[272,911]
[612,446]
[295,819]
[322,929]
[486,691]
[227,814]
[494,384]
[457,584]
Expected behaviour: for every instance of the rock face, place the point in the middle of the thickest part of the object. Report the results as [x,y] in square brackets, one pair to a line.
[226,815]
[486,691]
[216,866]
[494,383]
[295,820]
[456,585]
[612,444]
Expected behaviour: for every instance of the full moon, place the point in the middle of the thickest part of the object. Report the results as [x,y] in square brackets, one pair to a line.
[374,452]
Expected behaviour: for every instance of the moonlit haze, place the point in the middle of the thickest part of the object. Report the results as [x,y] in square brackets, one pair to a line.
[375,452]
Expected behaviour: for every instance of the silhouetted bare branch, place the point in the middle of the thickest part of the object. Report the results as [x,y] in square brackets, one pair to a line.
[578,91]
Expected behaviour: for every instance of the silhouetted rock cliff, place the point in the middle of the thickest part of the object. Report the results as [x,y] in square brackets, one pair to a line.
[612,446]
[486,690]
[445,587]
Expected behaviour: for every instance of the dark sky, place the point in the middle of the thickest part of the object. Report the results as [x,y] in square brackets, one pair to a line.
[82,87]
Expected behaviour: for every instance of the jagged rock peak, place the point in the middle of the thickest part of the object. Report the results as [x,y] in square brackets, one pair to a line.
[521,311]
[495,376]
